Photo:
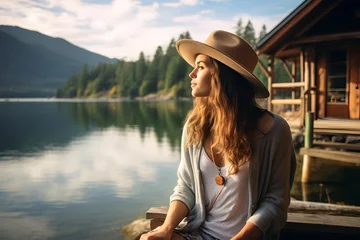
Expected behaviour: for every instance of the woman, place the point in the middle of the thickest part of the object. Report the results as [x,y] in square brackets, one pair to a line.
[237,160]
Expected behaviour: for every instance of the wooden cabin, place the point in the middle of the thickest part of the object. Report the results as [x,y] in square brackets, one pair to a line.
[320,40]
[318,44]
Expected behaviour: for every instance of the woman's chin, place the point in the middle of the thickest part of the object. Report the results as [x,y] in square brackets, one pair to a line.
[198,94]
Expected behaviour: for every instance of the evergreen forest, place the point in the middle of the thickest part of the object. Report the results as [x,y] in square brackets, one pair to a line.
[165,75]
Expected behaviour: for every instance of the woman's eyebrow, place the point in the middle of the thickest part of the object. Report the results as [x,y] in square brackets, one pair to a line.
[197,63]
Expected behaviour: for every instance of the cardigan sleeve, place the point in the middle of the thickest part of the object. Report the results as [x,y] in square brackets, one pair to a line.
[271,213]
[184,190]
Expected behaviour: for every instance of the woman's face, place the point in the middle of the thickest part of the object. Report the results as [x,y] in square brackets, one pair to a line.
[201,76]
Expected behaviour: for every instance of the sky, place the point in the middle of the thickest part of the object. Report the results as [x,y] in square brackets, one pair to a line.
[123,28]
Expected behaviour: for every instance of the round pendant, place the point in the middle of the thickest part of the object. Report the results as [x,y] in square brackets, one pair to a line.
[219,180]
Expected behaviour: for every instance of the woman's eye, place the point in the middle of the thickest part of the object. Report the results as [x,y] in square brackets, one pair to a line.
[200,67]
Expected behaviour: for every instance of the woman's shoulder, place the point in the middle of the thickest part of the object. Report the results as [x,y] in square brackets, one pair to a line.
[270,123]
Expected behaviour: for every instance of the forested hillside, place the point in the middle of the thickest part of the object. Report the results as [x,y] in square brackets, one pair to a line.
[165,75]
[34,65]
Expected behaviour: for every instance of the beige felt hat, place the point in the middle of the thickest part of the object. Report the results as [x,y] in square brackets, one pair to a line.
[229,49]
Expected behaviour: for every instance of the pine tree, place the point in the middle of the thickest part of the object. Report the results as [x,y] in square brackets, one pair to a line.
[140,69]
[239,28]
[149,85]
[249,33]
[263,32]
[82,81]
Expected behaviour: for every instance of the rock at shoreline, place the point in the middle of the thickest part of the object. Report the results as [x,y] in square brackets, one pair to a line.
[134,229]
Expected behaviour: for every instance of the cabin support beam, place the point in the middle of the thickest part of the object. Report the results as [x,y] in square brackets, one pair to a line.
[302,93]
[309,133]
[293,80]
[263,68]
[270,70]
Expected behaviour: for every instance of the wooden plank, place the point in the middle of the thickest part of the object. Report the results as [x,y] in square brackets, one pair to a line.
[288,53]
[323,208]
[323,223]
[263,68]
[337,132]
[348,157]
[298,221]
[286,67]
[338,124]
[326,38]
[286,101]
[349,146]
[288,85]
[157,212]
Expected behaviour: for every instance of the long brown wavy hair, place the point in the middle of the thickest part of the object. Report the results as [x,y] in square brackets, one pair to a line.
[230,113]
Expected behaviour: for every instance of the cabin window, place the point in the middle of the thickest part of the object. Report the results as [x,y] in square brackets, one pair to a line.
[337,76]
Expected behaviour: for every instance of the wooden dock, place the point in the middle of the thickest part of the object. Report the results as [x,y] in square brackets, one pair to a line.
[337,126]
[306,220]
[347,151]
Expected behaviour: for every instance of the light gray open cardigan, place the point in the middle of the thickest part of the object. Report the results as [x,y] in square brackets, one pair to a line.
[271,174]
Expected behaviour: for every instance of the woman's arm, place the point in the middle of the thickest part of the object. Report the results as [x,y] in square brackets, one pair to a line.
[249,232]
[271,213]
[177,212]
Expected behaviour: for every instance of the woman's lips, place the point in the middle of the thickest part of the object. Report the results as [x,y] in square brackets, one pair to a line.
[193,85]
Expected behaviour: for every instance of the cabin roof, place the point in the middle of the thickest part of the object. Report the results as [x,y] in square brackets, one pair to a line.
[285,21]
[313,21]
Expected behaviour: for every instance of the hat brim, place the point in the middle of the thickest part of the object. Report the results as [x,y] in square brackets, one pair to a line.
[189,49]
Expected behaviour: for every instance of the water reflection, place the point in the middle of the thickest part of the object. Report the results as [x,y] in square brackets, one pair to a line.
[82,170]
[108,157]
[164,117]
[29,127]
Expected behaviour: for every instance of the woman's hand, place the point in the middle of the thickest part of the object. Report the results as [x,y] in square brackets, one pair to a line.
[157,234]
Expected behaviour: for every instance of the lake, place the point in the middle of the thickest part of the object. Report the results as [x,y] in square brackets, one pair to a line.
[83,170]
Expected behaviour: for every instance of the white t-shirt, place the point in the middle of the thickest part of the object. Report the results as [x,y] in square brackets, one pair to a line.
[228,215]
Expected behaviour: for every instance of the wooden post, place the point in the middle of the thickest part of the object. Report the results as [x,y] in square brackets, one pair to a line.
[309,135]
[307,82]
[305,192]
[302,91]
[293,93]
[313,83]
[270,80]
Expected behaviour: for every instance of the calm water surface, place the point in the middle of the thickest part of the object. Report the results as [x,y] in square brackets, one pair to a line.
[84,170]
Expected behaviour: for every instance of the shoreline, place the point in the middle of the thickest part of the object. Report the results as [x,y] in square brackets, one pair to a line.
[53,99]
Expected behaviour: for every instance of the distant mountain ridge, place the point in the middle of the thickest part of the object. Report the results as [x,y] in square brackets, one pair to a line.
[34,65]
[57,45]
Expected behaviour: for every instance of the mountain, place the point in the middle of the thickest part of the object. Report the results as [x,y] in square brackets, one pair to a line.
[57,45]
[34,65]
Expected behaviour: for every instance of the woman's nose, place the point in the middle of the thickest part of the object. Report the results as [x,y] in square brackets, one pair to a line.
[192,74]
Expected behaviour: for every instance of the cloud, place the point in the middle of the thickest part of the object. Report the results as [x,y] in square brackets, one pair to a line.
[181,3]
[96,27]
[202,23]
[122,28]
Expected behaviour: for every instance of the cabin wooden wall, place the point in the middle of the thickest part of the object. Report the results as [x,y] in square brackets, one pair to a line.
[321,84]
[354,83]
[324,109]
